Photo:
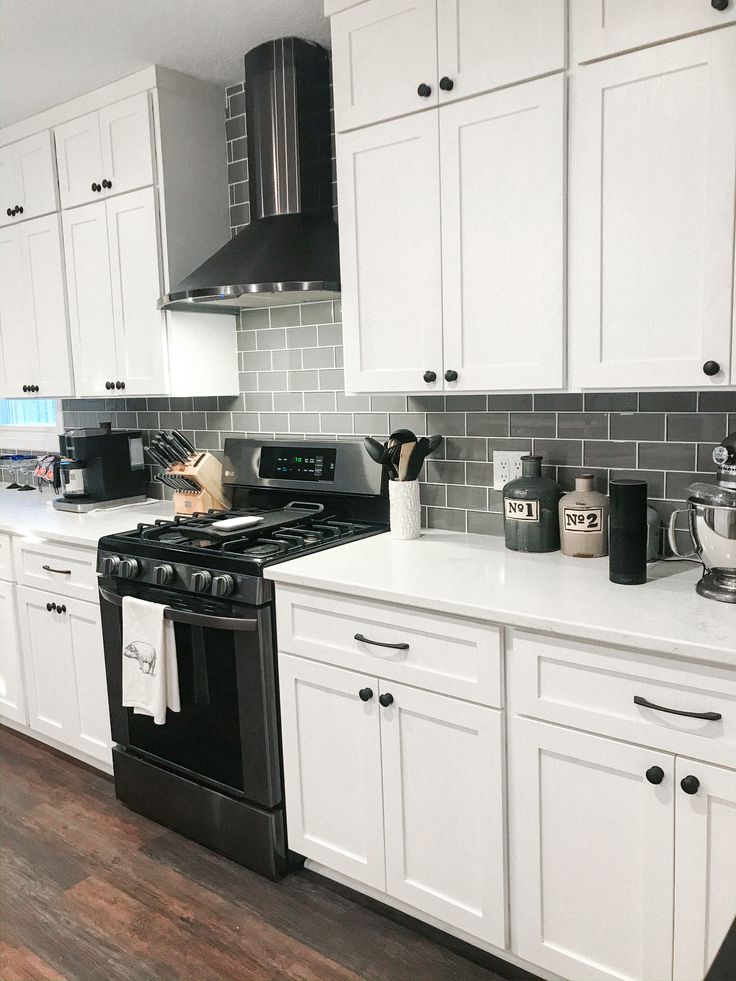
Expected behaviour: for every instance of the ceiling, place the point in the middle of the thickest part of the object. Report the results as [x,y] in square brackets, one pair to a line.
[54,50]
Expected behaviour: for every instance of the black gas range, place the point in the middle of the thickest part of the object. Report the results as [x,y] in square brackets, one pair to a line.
[213,771]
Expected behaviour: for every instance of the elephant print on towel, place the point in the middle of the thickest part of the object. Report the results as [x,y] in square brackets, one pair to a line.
[144,654]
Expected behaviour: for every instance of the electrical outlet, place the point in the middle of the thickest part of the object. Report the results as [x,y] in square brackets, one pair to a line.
[506,467]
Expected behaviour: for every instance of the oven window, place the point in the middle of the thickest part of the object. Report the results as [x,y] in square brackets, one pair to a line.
[204,738]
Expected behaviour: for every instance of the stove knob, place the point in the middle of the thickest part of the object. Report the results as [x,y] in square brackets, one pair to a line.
[110,565]
[201,581]
[222,585]
[163,575]
[129,568]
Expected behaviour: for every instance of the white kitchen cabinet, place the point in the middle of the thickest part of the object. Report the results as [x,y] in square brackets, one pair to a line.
[407,800]
[486,44]
[27,179]
[653,171]
[599,28]
[503,237]
[384,60]
[12,691]
[443,816]
[106,152]
[705,881]
[389,198]
[34,335]
[591,855]
[89,286]
[65,671]
[394,57]
[332,767]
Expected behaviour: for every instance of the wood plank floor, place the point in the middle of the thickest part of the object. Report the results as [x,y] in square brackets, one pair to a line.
[90,891]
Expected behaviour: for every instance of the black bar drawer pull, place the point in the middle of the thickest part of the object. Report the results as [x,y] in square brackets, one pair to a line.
[62,572]
[708,716]
[378,643]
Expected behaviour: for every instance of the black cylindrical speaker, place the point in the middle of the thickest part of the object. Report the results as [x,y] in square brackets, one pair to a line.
[627,562]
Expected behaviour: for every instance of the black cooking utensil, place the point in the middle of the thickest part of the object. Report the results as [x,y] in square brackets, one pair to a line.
[376,451]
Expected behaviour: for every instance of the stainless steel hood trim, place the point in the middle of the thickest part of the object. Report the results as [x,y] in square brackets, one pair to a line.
[227,292]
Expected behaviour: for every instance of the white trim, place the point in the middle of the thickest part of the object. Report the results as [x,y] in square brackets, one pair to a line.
[35,438]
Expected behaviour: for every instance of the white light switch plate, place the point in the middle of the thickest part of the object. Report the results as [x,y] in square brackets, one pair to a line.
[506,467]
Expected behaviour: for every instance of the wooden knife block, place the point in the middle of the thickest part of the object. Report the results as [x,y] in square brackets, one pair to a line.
[205,470]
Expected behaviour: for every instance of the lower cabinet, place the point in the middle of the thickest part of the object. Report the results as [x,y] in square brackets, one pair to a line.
[12,695]
[65,670]
[613,862]
[398,788]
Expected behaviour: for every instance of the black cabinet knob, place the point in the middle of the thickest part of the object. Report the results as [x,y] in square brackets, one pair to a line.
[386,700]
[365,694]
[450,375]
[655,774]
[719,4]
[107,183]
[120,385]
[690,784]
[61,609]
[711,368]
[430,376]
[9,212]
[50,606]
[20,209]
[25,388]
[424,90]
[446,84]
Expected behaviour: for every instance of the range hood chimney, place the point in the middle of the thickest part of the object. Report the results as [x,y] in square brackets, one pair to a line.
[289,251]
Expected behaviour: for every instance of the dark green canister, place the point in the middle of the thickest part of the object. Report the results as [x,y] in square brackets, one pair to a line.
[530,510]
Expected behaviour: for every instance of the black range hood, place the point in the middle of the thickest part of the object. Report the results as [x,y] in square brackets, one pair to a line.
[289,251]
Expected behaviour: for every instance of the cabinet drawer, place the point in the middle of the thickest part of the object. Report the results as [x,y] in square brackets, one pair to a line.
[6,558]
[593,688]
[64,569]
[442,654]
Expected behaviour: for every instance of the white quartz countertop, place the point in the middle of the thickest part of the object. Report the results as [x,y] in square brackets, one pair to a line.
[31,513]
[476,576]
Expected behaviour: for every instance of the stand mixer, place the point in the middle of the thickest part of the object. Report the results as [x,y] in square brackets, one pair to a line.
[711,511]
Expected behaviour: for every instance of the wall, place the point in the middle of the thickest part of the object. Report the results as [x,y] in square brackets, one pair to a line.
[291,381]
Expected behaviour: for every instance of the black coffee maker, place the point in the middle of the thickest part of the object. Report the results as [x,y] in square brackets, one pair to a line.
[101,468]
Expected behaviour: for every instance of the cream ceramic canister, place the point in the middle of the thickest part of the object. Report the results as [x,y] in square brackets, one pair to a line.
[584,520]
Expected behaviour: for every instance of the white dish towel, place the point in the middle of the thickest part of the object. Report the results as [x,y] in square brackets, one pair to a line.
[150,672]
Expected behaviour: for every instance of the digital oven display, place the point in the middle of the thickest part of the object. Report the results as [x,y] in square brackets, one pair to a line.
[288,463]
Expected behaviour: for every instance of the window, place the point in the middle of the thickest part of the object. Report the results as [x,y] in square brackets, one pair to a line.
[29,424]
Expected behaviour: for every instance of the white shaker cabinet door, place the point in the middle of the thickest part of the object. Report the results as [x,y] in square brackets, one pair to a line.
[705,890]
[485,44]
[81,630]
[90,298]
[503,237]
[391,265]
[443,807]
[79,159]
[599,28]
[653,170]
[332,767]
[12,693]
[50,681]
[140,328]
[126,144]
[591,855]
[384,60]
[46,296]
[28,178]
[18,361]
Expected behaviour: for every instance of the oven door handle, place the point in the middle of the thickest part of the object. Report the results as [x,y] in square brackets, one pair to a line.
[194,619]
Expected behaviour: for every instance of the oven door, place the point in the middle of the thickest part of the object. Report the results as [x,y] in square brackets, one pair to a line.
[226,734]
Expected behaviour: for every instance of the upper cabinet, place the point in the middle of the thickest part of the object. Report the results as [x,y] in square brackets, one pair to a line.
[27,179]
[653,171]
[600,28]
[394,57]
[143,177]
[105,152]
[34,343]
[458,289]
